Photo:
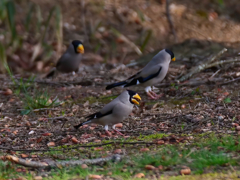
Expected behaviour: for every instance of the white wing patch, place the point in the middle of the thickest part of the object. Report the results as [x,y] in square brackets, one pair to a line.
[95,116]
[138,82]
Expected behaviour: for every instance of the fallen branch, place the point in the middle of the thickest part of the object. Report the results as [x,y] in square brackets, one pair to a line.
[54,164]
[201,67]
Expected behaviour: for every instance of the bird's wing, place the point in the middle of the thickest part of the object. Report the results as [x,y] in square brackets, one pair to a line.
[106,110]
[64,57]
[144,75]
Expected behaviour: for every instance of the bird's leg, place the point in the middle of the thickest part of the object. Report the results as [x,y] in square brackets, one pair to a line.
[117,131]
[106,130]
[150,93]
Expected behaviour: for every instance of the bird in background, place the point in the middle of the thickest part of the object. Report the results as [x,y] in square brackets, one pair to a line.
[153,73]
[70,60]
[114,112]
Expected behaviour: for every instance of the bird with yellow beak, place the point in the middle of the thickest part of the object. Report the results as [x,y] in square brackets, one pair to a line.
[153,73]
[114,112]
[70,60]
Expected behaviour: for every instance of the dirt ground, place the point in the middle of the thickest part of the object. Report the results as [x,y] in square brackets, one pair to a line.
[208,102]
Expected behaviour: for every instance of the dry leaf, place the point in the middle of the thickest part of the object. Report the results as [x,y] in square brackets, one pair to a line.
[144,149]
[117,151]
[84,166]
[149,167]
[24,155]
[160,167]
[160,142]
[119,125]
[51,144]
[47,134]
[75,140]
[139,175]
[98,148]
[92,176]
[186,171]
[38,178]
[7,92]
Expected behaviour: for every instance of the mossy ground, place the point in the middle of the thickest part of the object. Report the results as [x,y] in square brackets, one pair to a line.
[206,153]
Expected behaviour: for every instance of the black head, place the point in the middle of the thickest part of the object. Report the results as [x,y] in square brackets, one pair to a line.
[134,97]
[170,52]
[78,46]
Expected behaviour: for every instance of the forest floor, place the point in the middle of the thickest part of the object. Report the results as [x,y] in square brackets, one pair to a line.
[191,132]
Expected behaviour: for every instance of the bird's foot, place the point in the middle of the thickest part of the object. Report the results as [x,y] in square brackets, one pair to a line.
[118,132]
[153,95]
[108,133]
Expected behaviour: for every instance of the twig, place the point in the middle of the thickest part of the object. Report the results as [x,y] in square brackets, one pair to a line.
[27,150]
[222,62]
[114,142]
[66,83]
[215,73]
[237,79]
[169,18]
[37,164]
[40,109]
[201,67]
[76,147]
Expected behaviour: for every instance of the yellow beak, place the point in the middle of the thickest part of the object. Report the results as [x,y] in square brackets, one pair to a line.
[80,49]
[173,59]
[135,99]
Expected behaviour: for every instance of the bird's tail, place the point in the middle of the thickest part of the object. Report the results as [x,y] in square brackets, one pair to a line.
[122,83]
[51,73]
[81,124]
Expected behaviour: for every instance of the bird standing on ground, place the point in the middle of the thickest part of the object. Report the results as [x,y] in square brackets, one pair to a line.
[70,60]
[154,72]
[115,111]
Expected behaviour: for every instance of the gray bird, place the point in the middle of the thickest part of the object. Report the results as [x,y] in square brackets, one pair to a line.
[154,72]
[115,111]
[70,60]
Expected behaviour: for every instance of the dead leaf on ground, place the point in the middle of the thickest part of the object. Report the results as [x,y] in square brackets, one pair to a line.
[51,144]
[139,175]
[92,176]
[149,167]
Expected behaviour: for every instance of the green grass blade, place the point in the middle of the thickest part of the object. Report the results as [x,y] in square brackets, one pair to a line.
[11,19]
[59,33]
[3,58]
[146,40]
[29,16]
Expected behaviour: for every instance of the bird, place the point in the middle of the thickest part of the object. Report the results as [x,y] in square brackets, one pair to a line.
[154,72]
[70,60]
[114,112]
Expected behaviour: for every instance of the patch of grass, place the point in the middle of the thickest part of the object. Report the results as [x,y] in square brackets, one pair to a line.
[152,136]
[215,152]
[39,99]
